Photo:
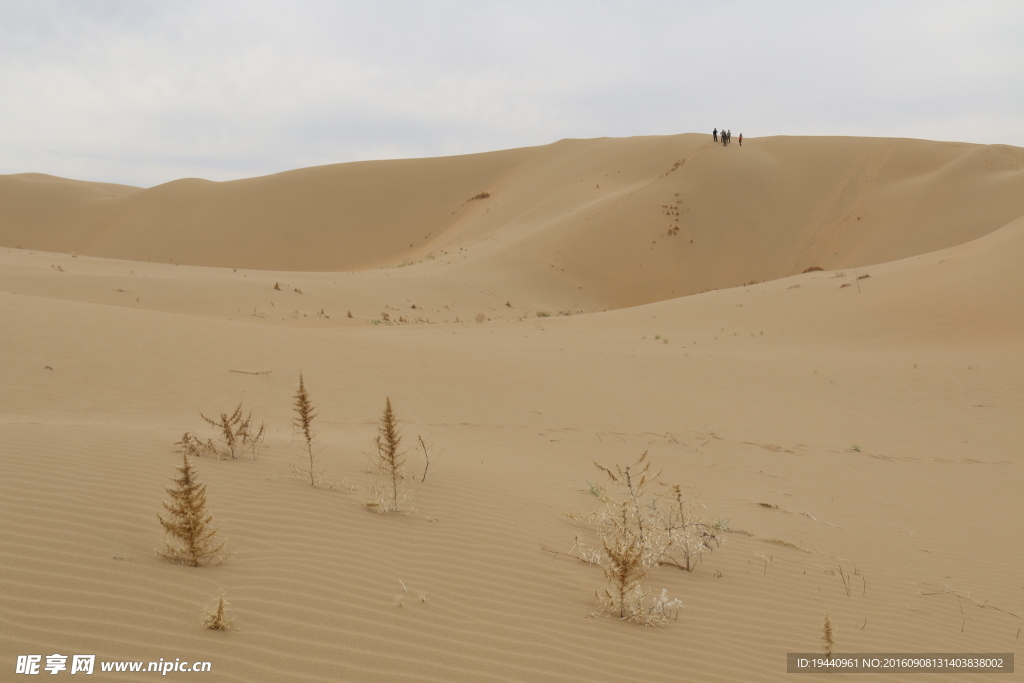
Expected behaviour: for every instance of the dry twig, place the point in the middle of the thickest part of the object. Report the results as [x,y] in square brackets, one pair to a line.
[426,456]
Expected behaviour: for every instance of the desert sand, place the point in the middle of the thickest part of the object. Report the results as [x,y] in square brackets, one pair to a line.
[857,428]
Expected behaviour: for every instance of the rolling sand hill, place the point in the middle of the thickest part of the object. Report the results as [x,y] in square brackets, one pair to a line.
[858,428]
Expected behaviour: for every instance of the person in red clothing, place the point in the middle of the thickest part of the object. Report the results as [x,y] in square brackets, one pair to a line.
[741,139]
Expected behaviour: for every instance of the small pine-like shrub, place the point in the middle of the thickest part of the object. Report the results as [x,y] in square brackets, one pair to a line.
[216,619]
[828,636]
[188,524]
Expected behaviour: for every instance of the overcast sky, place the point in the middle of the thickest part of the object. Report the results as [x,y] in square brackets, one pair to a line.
[146,92]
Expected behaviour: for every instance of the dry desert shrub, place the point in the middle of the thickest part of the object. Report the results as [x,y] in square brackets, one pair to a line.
[305,412]
[643,523]
[190,526]
[191,444]
[237,433]
[216,618]
[389,464]
[828,636]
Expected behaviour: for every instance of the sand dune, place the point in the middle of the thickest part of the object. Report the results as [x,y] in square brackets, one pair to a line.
[864,417]
[598,212]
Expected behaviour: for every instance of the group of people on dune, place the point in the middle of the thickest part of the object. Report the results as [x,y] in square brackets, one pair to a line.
[726,136]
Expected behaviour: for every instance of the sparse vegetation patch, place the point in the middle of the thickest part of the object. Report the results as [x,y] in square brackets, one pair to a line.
[237,433]
[639,528]
[191,444]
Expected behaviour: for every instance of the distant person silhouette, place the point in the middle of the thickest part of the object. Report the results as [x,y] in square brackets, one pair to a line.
[741,139]
[714,135]
[724,141]
[728,135]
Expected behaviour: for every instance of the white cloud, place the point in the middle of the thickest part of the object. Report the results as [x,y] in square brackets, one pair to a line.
[144,93]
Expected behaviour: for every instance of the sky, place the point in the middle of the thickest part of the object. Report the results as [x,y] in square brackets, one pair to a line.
[143,93]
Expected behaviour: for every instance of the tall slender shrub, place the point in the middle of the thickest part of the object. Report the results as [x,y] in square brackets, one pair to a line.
[305,412]
[389,462]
